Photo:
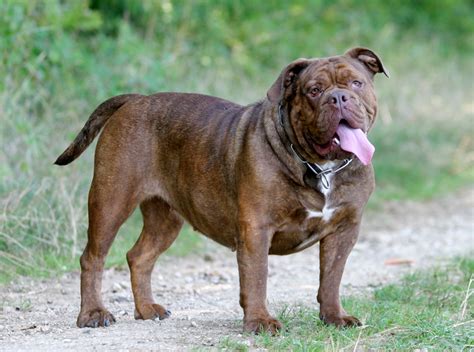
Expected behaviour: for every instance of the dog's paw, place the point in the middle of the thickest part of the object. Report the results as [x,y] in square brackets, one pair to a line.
[340,321]
[259,325]
[151,311]
[95,318]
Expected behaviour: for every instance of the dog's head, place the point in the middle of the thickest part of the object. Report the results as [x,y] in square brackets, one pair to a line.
[330,104]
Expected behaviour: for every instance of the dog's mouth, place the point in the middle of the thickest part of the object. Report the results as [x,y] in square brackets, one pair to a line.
[326,148]
[349,139]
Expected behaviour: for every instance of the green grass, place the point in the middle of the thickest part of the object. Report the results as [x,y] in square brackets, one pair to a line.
[421,163]
[59,60]
[426,310]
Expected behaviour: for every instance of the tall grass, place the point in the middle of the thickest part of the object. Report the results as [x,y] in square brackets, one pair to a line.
[59,60]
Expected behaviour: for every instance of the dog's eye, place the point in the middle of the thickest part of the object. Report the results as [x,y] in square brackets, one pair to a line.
[357,84]
[315,91]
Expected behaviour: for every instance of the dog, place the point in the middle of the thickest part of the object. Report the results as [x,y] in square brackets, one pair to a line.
[273,177]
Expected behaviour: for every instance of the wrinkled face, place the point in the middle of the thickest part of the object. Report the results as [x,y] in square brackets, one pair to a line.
[331,105]
[332,92]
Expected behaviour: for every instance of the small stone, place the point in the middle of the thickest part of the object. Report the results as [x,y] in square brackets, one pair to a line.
[119,299]
[208,258]
[209,342]
[116,287]
[194,324]
[45,328]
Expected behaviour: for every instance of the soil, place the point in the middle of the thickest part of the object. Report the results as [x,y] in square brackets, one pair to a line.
[202,290]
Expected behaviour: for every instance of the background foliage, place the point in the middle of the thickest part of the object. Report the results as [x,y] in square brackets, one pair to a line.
[60,59]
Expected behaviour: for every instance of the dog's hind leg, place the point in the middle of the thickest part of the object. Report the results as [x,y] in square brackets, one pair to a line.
[110,204]
[161,225]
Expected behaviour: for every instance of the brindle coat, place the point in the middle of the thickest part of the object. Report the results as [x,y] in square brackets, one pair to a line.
[230,171]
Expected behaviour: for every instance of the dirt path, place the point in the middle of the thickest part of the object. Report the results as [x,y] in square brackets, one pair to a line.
[202,291]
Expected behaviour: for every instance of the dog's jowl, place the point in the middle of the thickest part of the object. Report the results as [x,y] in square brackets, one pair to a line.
[273,177]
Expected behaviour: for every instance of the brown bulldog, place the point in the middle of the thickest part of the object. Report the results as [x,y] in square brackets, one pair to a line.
[273,177]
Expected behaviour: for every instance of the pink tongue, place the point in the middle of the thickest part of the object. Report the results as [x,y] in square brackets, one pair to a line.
[355,141]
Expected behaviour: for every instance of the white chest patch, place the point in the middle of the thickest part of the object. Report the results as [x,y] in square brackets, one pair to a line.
[314,214]
[327,212]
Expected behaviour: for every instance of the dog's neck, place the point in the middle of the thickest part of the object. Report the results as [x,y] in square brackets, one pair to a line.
[317,176]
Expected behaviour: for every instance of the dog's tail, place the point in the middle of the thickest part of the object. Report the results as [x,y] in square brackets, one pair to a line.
[92,127]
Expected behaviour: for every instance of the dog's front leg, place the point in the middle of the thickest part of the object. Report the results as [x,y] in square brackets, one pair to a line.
[252,257]
[334,250]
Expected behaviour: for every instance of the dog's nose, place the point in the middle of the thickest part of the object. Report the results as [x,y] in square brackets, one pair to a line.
[338,98]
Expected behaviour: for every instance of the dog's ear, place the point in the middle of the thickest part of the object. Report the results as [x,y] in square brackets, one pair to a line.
[287,77]
[371,61]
